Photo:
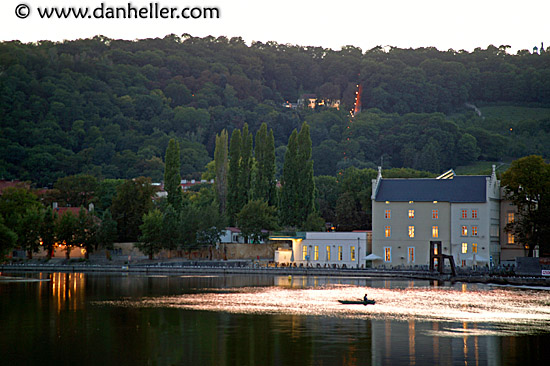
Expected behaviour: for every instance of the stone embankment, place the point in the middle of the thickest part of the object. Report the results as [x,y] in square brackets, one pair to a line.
[243,267]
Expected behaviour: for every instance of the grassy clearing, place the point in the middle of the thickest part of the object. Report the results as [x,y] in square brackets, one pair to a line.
[514,113]
[482,168]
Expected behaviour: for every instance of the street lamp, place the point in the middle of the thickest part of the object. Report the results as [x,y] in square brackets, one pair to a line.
[358,251]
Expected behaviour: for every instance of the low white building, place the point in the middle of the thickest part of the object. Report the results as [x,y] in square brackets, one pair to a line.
[325,249]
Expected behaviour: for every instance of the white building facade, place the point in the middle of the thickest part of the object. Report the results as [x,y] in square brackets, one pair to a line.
[328,249]
[461,212]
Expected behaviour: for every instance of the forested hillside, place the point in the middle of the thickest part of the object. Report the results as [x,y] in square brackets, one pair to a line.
[109,107]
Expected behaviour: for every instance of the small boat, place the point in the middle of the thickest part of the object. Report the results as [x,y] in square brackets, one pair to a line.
[357,302]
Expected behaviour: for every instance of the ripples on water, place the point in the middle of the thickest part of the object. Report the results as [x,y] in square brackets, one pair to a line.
[496,311]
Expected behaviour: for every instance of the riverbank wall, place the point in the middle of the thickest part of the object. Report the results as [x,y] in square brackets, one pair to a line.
[255,269]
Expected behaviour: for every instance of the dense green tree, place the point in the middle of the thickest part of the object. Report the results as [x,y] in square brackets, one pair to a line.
[211,226]
[327,192]
[151,239]
[255,217]
[48,231]
[66,228]
[298,187]
[264,177]
[233,177]
[86,233]
[107,231]
[221,167]
[171,228]
[527,185]
[306,186]
[290,180]
[133,200]
[76,190]
[14,203]
[172,177]
[245,168]
[8,239]
[28,230]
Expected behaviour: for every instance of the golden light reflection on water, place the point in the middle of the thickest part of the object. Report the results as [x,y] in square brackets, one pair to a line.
[498,311]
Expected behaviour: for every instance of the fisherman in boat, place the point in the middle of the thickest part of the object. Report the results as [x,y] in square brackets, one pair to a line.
[365,299]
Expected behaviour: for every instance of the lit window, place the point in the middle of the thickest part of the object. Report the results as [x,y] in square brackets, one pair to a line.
[387,214]
[411,214]
[435,250]
[464,248]
[387,231]
[411,254]
[435,214]
[316,253]
[411,231]
[474,230]
[510,218]
[435,232]
[328,252]
[340,253]
[464,214]
[304,252]
[464,231]
[511,238]
[387,254]
[352,254]
[474,247]
[474,214]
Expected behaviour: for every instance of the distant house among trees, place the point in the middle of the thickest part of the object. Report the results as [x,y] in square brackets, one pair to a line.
[313,101]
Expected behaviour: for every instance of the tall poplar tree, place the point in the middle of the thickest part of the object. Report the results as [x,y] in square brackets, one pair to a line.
[172,177]
[297,196]
[221,167]
[306,185]
[289,183]
[233,176]
[245,167]
[264,182]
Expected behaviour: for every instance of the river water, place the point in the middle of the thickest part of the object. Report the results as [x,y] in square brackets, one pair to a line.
[117,319]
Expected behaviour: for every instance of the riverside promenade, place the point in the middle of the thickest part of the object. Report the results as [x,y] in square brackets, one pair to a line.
[252,268]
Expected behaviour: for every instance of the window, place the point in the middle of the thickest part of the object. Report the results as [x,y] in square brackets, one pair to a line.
[464,230]
[435,232]
[510,217]
[340,253]
[328,252]
[464,248]
[387,231]
[474,230]
[411,214]
[304,253]
[316,253]
[352,254]
[387,214]
[387,254]
[474,214]
[464,214]
[435,214]
[411,254]
[511,239]
[411,231]
[474,247]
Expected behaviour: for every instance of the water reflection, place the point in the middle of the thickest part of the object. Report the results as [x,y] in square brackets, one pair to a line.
[506,310]
[267,320]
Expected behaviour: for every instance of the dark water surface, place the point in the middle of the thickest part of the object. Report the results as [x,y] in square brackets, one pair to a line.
[117,319]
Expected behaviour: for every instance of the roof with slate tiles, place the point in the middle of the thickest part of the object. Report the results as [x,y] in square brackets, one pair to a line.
[459,189]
